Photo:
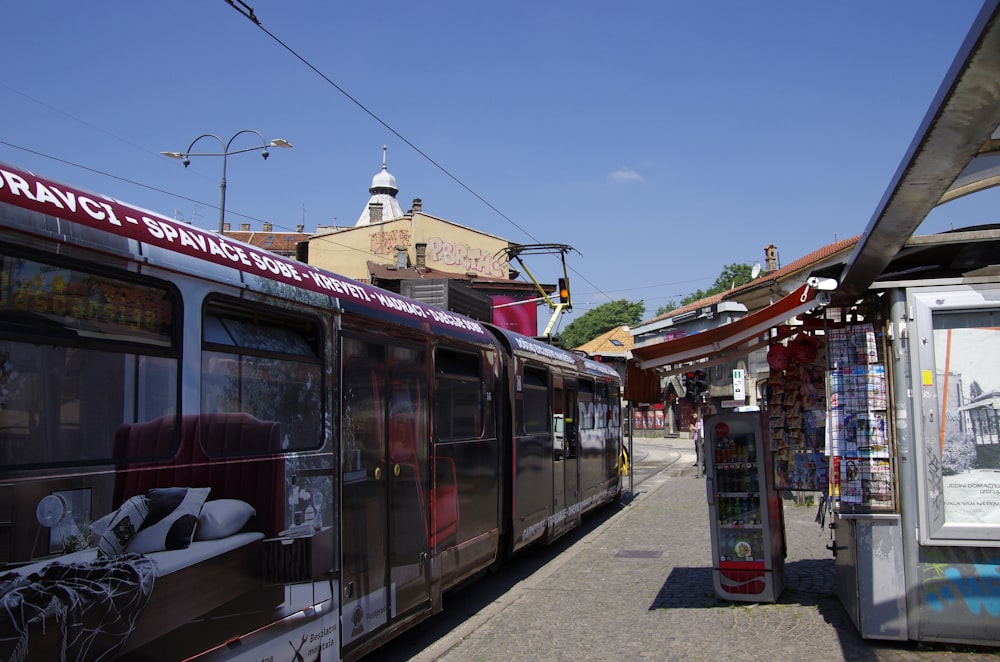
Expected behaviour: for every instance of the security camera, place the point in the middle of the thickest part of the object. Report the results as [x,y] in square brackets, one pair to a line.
[265,154]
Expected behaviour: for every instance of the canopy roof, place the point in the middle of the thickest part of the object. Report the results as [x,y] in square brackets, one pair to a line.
[953,153]
[729,336]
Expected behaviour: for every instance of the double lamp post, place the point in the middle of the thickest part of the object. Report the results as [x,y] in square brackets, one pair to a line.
[226,151]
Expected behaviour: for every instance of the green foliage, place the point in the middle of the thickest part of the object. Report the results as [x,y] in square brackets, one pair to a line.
[667,307]
[601,320]
[732,275]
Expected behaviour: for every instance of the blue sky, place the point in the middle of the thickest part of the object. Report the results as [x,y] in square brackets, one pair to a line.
[662,140]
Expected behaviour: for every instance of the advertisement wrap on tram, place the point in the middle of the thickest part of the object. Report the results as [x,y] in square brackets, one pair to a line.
[221,453]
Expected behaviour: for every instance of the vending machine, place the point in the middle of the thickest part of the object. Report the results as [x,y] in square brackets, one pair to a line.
[745,511]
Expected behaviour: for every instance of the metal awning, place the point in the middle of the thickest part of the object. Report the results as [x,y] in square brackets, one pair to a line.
[954,153]
[729,336]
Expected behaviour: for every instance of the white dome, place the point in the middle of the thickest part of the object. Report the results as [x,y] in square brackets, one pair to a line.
[383,180]
[383,192]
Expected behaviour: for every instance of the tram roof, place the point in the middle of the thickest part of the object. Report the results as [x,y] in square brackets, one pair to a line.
[529,347]
[24,189]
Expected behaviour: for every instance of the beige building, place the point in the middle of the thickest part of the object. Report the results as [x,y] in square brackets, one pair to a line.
[385,236]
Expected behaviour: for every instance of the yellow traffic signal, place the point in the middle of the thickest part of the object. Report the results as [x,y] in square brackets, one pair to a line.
[563,291]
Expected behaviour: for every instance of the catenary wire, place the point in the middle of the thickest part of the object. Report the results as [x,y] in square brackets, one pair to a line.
[247,12]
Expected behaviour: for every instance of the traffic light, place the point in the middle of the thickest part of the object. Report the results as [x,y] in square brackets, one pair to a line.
[563,291]
[689,386]
[700,383]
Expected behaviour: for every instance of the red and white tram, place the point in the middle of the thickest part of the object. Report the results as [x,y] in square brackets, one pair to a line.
[210,451]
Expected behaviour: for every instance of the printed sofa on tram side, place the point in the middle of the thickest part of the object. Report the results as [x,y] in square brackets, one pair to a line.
[243,465]
[235,492]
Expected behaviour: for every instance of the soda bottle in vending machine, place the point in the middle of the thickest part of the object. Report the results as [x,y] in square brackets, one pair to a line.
[745,517]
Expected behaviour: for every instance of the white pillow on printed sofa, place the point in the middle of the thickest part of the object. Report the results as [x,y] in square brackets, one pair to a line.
[222,517]
[173,515]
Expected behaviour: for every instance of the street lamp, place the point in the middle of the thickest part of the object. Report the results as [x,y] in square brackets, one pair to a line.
[185,158]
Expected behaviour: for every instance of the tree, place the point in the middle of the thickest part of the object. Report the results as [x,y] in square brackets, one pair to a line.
[601,320]
[667,307]
[732,275]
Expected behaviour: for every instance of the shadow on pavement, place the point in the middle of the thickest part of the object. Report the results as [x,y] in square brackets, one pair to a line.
[466,600]
[691,588]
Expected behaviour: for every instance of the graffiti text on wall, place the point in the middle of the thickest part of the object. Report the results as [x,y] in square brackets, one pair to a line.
[978,589]
[934,482]
[466,257]
[384,243]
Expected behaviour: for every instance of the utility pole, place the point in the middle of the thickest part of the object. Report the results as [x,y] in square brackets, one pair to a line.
[564,302]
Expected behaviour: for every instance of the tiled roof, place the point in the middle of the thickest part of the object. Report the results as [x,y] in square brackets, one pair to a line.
[802,263]
[707,301]
[282,243]
[382,273]
[385,271]
[616,341]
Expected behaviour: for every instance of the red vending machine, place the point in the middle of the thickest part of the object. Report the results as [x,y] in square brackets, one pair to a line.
[745,512]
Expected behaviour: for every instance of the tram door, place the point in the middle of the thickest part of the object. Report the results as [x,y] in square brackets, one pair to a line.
[384,436]
[571,441]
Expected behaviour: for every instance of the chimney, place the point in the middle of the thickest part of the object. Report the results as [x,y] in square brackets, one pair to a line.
[421,251]
[225,227]
[300,228]
[244,227]
[418,205]
[267,227]
[770,258]
[375,212]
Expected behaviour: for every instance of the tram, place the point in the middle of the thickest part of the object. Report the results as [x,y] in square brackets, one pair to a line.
[209,451]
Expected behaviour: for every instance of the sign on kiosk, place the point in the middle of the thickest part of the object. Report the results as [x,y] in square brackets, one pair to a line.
[739,385]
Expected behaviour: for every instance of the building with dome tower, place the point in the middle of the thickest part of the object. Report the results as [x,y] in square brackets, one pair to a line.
[383,203]
[426,258]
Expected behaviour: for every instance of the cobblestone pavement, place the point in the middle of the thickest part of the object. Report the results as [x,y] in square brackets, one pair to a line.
[639,587]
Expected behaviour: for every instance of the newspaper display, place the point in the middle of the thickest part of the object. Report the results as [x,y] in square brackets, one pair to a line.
[858,420]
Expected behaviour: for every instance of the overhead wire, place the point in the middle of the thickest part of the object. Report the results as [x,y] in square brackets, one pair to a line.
[247,12]
[163,191]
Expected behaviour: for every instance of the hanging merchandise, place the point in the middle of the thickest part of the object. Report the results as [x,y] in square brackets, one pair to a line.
[777,357]
[797,413]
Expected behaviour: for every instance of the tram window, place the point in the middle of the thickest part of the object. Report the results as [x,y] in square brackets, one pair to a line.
[458,408]
[535,417]
[265,363]
[585,417]
[269,336]
[615,403]
[601,406]
[80,354]
[71,306]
